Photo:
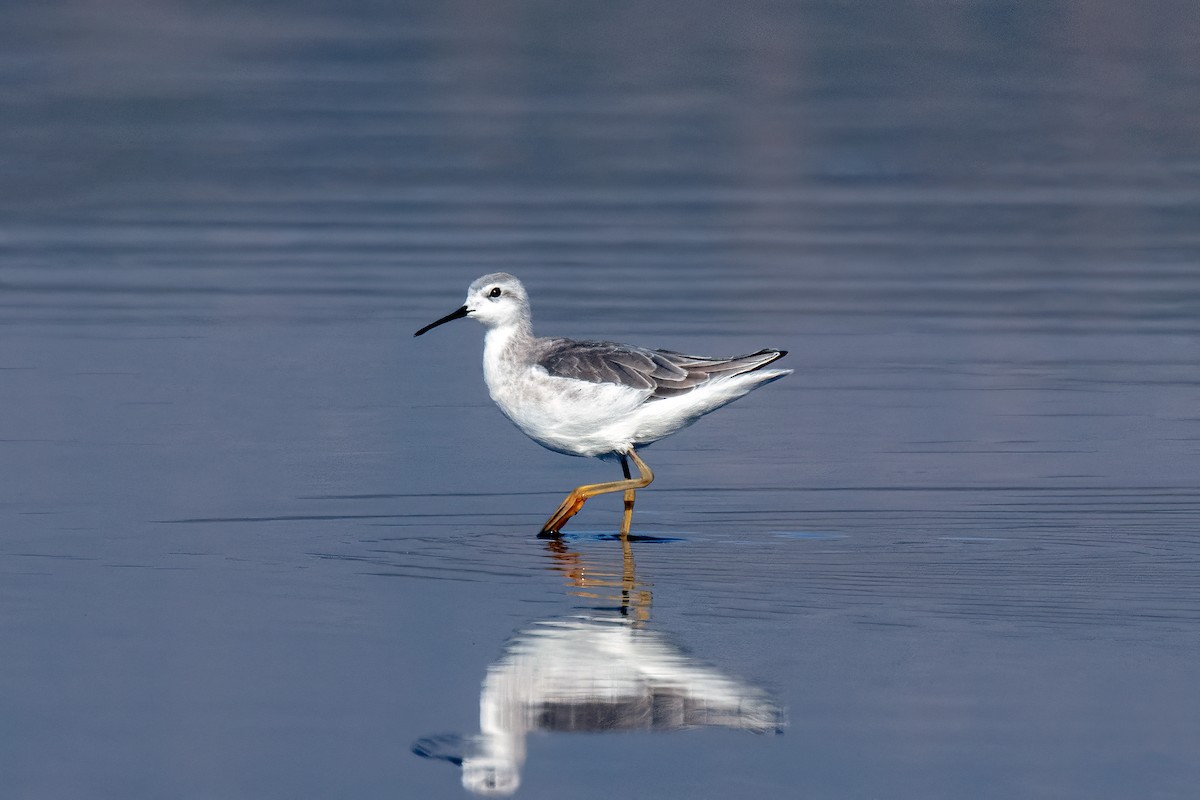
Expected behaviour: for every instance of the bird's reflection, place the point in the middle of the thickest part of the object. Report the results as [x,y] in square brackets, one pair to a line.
[603,670]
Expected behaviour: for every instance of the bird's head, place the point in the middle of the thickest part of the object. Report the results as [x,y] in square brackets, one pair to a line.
[495,300]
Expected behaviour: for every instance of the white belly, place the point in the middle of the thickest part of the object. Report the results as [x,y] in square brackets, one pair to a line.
[569,416]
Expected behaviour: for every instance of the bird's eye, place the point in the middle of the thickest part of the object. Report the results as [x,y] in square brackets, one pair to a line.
[495,292]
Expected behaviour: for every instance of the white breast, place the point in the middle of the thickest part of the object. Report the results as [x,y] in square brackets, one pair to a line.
[568,416]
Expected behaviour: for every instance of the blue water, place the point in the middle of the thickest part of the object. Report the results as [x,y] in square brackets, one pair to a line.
[259,542]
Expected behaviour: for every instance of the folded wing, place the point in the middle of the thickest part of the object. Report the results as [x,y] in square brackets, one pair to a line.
[663,373]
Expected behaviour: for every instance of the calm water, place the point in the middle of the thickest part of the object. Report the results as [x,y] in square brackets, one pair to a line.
[258,542]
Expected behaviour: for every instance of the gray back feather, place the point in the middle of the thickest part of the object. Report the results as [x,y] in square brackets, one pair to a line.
[664,373]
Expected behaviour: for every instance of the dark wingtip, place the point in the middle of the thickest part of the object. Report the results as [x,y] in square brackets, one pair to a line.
[778,354]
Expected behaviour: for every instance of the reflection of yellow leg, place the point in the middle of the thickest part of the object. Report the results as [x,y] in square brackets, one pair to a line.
[575,500]
[596,581]
[632,595]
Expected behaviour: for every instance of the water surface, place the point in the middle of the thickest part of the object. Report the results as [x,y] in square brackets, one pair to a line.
[259,542]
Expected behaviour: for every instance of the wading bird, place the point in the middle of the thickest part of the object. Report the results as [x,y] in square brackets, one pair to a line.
[597,399]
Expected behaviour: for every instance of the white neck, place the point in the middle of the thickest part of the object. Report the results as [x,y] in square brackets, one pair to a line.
[499,345]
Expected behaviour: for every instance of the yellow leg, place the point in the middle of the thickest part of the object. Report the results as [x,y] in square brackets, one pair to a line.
[630,496]
[627,517]
[575,500]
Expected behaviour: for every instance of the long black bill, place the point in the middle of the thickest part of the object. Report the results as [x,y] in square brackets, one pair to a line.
[453,315]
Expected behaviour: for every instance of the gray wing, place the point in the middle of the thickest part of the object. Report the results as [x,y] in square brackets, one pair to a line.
[664,373]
